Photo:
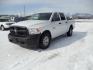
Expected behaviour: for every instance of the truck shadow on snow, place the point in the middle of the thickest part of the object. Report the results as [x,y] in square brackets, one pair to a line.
[63,41]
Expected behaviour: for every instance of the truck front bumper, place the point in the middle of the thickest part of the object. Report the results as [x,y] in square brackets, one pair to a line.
[30,40]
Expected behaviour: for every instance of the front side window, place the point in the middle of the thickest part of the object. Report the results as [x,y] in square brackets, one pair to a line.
[55,17]
[40,16]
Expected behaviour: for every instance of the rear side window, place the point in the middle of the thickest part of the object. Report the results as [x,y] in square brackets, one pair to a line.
[56,17]
[62,16]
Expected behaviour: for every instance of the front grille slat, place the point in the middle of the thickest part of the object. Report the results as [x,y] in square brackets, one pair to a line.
[18,31]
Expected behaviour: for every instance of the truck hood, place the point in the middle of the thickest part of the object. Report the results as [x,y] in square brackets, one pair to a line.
[31,23]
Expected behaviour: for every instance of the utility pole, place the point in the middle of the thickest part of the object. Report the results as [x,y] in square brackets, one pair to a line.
[24,10]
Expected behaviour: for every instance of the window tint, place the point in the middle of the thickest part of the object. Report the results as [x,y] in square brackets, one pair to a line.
[55,17]
[62,16]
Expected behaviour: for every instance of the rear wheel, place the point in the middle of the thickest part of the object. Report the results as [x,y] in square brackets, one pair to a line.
[2,28]
[45,41]
[70,32]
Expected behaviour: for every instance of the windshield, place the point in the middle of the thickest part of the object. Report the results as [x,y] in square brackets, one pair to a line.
[40,16]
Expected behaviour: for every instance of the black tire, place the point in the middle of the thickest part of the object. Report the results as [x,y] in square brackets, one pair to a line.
[42,44]
[2,28]
[70,32]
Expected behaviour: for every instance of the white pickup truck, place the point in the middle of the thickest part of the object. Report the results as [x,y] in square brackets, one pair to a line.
[40,28]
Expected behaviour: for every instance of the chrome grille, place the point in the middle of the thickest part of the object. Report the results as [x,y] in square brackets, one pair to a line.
[18,31]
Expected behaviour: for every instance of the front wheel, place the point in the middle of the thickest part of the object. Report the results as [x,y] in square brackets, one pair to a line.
[45,41]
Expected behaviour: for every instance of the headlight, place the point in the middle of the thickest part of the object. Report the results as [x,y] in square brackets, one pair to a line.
[9,23]
[34,30]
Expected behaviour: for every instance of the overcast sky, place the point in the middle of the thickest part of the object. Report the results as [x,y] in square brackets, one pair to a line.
[67,6]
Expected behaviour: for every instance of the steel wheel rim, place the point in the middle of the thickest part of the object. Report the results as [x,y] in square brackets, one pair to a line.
[46,41]
[71,31]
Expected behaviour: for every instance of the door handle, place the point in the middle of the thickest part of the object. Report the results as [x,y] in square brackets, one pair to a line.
[59,23]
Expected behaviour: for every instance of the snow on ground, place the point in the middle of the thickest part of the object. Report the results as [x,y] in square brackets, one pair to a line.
[65,53]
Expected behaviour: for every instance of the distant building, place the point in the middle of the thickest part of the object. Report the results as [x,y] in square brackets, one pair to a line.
[82,16]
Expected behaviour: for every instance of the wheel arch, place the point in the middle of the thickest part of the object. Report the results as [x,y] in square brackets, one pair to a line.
[46,31]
